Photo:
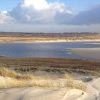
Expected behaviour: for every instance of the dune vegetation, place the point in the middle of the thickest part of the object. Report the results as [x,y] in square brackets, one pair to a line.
[19,72]
[10,78]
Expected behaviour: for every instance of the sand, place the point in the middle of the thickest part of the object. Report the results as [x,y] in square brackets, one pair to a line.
[92,91]
[36,93]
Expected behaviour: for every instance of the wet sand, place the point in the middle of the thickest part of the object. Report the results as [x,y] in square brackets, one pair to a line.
[87,53]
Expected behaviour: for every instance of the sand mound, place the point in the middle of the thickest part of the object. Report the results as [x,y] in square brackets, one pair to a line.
[96,84]
[36,93]
[43,88]
[45,94]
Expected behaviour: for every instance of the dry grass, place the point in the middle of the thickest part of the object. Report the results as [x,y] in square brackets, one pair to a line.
[12,74]
[10,78]
[70,82]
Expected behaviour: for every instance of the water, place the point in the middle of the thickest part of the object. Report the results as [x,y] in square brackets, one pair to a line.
[49,50]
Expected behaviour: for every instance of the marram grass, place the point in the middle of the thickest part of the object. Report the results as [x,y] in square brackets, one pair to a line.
[9,79]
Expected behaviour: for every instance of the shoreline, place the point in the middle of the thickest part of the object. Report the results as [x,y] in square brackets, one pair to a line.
[49,41]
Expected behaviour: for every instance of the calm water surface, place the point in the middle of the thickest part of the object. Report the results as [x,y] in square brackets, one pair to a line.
[53,50]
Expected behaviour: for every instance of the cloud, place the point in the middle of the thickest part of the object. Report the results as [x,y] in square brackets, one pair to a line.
[40,12]
[91,16]
[37,4]
[44,12]
[5,18]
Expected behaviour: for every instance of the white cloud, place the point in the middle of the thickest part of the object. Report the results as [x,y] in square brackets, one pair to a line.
[37,4]
[44,12]
[40,11]
[5,18]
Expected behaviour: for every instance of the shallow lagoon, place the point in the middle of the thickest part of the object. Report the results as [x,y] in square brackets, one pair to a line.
[49,50]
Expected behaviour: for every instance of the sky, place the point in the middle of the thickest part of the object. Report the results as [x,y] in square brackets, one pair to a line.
[50,15]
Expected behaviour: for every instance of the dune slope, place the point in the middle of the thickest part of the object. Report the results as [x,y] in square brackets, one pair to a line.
[32,93]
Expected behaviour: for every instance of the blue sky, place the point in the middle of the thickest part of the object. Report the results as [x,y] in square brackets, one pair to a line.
[63,15]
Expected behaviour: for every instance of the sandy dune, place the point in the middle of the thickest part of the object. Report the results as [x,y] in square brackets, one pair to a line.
[92,93]
[32,94]
[57,88]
